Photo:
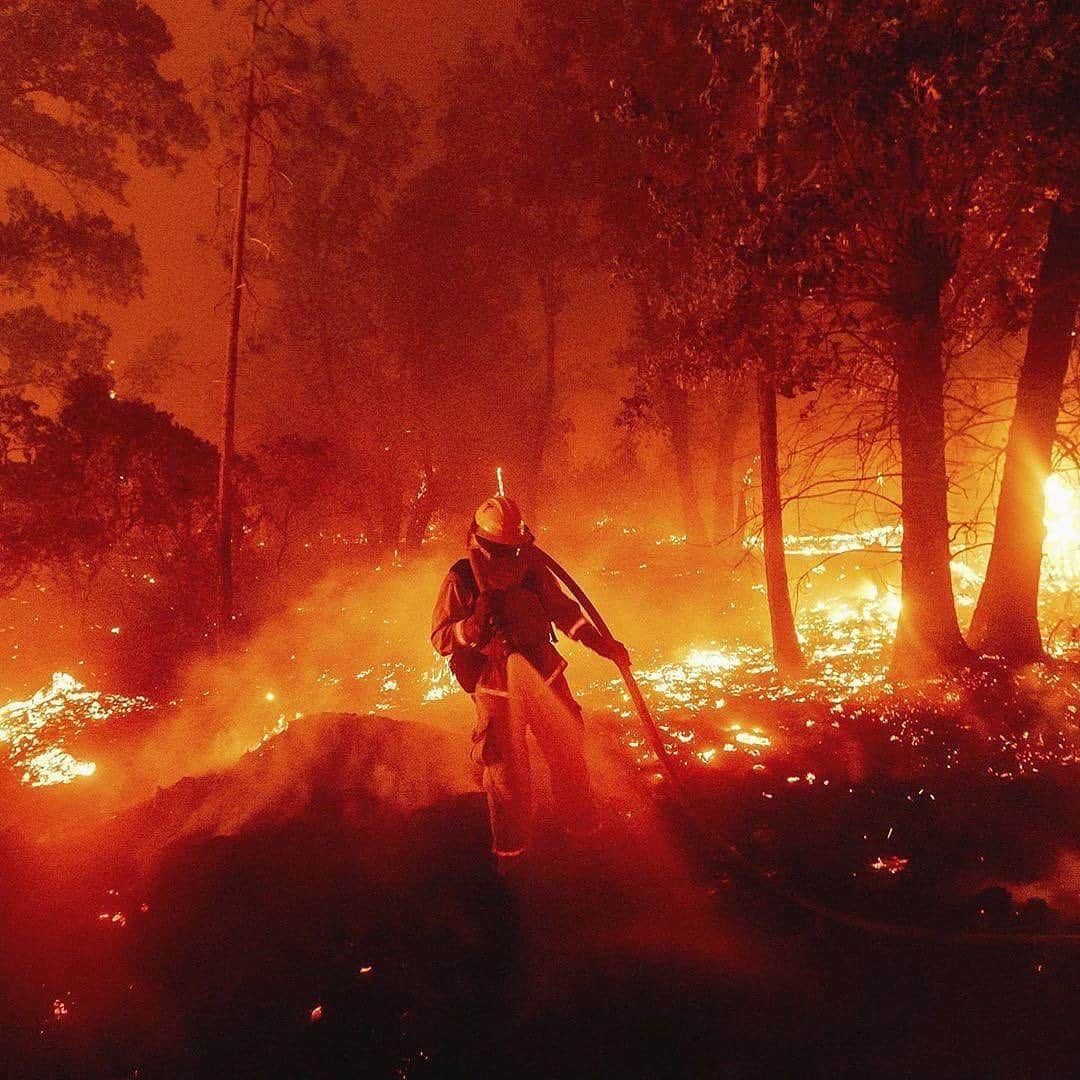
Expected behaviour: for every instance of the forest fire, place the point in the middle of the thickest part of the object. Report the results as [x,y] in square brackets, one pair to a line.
[846,636]
[539,538]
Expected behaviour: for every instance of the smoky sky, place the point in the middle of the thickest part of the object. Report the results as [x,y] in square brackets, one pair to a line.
[186,284]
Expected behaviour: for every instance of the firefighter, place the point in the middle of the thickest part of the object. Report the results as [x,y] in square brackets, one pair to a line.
[500,602]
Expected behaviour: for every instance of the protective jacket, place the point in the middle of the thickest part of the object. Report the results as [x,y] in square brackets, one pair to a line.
[531,600]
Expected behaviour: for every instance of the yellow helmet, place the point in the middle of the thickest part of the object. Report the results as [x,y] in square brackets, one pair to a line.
[498,520]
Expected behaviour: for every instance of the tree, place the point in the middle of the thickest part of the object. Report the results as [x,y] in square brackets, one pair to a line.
[684,192]
[659,392]
[1040,123]
[451,406]
[82,84]
[1006,619]
[508,121]
[292,479]
[729,489]
[145,371]
[894,110]
[318,152]
[260,13]
[115,501]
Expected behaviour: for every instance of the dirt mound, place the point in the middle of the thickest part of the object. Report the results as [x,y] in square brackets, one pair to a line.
[328,767]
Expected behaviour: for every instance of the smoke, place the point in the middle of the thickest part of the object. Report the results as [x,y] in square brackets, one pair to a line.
[535,704]
[355,642]
[1060,888]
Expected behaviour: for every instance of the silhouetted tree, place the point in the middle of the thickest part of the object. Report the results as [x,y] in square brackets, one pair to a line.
[317,152]
[892,120]
[447,313]
[82,90]
[684,190]
[1041,146]
[115,501]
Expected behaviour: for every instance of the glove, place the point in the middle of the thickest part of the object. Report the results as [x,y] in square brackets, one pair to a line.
[487,614]
[617,652]
[607,647]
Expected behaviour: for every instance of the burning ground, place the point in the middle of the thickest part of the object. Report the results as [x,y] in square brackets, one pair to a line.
[255,876]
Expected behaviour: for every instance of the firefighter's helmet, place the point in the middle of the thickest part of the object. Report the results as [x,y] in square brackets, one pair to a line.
[498,520]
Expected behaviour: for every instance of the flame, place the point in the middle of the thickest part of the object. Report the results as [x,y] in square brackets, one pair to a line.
[846,628]
[1061,549]
[889,864]
[36,729]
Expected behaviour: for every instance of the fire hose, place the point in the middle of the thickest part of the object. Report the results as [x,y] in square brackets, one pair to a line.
[731,851]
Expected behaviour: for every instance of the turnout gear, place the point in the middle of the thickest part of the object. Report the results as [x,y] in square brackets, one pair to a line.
[487,614]
[497,604]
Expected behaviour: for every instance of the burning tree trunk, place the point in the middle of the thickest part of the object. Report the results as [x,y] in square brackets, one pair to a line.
[726,486]
[677,403]
[1006,620]
[927,636]
[552,299]
[226,493]
[787,654]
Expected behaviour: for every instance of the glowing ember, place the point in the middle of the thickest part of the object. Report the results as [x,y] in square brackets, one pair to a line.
[749,739]
[441,683]
[713,659]
[889,864]
[37,729]
[55,766]
[881,538]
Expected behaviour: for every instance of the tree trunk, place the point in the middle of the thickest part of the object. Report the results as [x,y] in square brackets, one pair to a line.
[1006,620]
[425,502]
[226,494]
[389,520]
[928,637]
[550,297]
[787,654]
[677,402]
[726,523]
[422,509]
[742,512]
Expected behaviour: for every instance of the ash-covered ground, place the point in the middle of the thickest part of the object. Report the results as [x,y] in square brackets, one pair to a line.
[326,906]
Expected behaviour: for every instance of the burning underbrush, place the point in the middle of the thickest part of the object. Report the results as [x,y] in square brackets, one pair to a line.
[852,785]
[950,805]
[294,840]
